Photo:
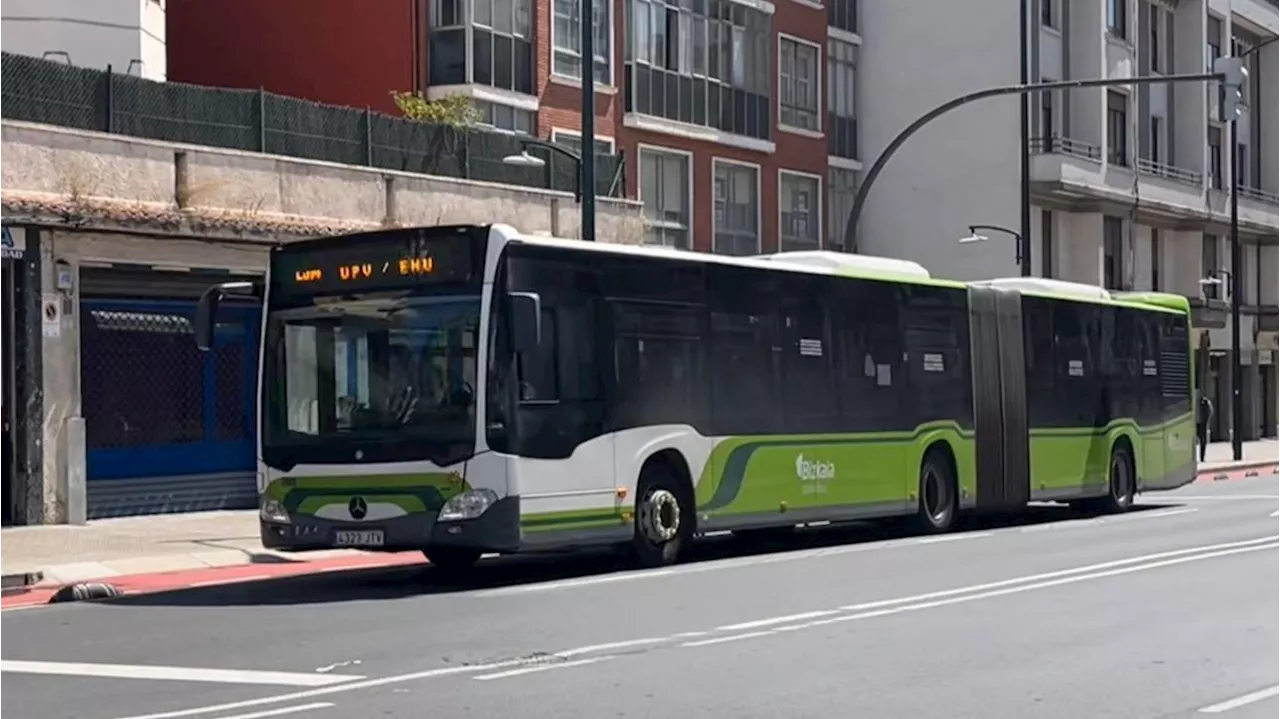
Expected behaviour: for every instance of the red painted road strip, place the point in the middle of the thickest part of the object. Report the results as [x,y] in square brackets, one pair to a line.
[189,578]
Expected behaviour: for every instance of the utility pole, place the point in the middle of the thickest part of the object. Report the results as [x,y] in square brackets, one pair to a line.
[587,174]
[1024,137]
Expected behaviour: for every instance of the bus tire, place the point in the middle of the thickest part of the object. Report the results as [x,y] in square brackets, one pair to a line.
[452,559]
[663,518]
[1121,481]
[939,502]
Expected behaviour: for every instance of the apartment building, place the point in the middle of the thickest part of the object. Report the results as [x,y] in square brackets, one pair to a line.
[1130,185]
[126,35]
[737,117]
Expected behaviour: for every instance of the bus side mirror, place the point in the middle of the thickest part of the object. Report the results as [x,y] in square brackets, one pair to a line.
[526,320]
[207,309]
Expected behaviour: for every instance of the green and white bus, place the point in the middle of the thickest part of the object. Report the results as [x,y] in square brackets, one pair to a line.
[470,389]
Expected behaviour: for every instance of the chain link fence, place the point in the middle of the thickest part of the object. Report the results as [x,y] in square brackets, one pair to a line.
[55,93]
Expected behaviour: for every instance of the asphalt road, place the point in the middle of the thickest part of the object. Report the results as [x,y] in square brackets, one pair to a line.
[1171,610]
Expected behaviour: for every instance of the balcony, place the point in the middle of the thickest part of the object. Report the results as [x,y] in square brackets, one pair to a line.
[1268,317]
[1208,314]
[1256,194]
[1168,190]
[1150,168]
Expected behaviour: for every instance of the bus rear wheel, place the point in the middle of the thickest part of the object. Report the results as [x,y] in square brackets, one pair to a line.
[452,559]
[663,518]
[1120,482]
[939,500]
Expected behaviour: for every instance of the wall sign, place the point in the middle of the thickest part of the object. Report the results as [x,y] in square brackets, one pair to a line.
[13,243]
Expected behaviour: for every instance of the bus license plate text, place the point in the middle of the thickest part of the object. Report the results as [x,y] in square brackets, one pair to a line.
[358,538]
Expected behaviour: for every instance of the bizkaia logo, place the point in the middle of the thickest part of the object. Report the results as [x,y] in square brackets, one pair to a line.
[814,470]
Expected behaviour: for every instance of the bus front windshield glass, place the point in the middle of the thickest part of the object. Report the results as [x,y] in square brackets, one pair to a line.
[371,378]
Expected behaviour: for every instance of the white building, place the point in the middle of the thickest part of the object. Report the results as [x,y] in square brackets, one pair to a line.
[1129,184]
[128,35]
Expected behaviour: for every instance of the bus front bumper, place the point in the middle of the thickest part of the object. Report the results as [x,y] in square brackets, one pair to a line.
[497,530]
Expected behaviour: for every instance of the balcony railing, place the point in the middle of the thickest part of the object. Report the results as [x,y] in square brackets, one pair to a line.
[1259,194]
[1055,145]
[1169,172]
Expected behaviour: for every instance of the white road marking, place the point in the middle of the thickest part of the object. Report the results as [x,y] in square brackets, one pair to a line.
[1049,575]
[900,609]
[730,638]
[1276,513]
[182,674]
[612,645]
[689,635]
[281,711]
[1250,545]
[581,582]
[1221,497]
[953,537]
[1241,701]
[542,668]
[776,620]
[1153,514]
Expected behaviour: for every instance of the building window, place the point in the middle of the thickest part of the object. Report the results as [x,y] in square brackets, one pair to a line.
[1048,13]
[1118,128]
[505,117]
[800,212]
[737,214]
[1117,19]
[1209,266]
[1215,157]
[842,187]
[842,99]
[566,39]
[1113,253]
[665,182]
[843,15]
[573,141]
[1046,243]
[1047,115]
[501,44]
[1241,165]
[1213,41]
[1157,138]
[798,84]
[710,68]
[1155,44]
[1155,259]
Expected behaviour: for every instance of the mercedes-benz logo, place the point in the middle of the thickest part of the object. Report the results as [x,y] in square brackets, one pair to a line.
[357,507]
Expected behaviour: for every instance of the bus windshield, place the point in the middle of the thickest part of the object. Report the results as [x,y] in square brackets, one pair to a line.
[377,377]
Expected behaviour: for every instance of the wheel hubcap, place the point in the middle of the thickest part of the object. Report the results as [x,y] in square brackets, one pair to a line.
[1120,481]
[935,495]
[659,516]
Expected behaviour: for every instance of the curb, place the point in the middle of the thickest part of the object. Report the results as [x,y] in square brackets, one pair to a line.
[20,583]
[1243,470]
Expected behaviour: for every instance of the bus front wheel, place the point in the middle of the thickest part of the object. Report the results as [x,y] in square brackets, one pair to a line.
[939,500]
[663,518]
[452,559]
[1120,481]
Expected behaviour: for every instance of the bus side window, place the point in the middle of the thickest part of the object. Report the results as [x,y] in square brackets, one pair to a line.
[537,367]
[866,315]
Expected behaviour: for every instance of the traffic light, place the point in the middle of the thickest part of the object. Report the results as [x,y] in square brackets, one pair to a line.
[1234,76]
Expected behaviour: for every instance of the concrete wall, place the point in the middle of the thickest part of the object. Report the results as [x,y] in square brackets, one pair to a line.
[42,161]
[129,35]
[143,192]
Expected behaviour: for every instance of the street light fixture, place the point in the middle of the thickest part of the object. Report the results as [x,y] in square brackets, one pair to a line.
[1019,249]
[524,159]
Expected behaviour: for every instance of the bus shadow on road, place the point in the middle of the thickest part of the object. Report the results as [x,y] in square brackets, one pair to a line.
[528,569]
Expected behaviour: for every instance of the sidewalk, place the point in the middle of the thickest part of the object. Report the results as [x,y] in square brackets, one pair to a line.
[200,543]
[1259,452]
[62,554]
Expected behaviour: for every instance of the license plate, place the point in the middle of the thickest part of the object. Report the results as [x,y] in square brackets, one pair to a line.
[358,538]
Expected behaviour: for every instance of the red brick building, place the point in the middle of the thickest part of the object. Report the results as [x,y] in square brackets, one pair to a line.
[736,116]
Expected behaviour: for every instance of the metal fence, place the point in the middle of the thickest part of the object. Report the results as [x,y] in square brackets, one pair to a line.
[54,93]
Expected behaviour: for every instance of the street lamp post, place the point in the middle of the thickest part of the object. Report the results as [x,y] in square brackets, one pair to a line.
[1024,137]
[860,201]
[587,169]
[1237,366]
[1020,252]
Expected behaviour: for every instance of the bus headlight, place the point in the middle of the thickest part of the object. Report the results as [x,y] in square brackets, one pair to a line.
[468,505]
[270,510]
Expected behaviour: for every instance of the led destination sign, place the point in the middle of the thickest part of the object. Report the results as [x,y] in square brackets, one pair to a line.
[363,263]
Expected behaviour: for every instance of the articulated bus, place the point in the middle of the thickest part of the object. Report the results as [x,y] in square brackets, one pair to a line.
[464,390]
